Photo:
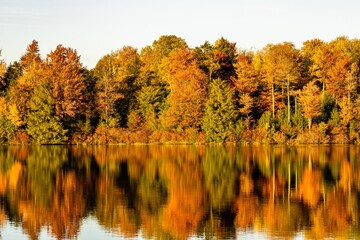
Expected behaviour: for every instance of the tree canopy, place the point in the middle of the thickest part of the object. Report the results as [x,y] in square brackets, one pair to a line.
[170,92]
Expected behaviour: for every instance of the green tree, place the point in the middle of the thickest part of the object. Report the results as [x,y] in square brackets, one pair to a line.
[44,126]
[13,72]
[151,104]
[6,127]
[220,112]
[3,82]
[206,59]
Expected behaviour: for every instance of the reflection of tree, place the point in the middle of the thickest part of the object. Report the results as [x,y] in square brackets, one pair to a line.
[152,189]
[33,216]
[10,178]
[152,195]
[310,187]
[220,173]
[332,218]
[2,216]
[178,191]
[112,209]
[281,218]
[246,204]
[67,206]
[42,165]
[346,178]
[246,211]
[185,206]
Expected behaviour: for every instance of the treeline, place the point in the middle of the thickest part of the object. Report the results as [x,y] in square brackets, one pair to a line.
[171,93]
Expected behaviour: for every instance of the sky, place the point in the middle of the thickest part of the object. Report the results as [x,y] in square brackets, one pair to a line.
[97,27]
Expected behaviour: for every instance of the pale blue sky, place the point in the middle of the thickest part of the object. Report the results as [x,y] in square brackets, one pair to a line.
[96,28]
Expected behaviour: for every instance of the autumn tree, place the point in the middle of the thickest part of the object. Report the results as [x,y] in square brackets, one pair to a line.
[245,82]
[347,110]
[27,78]
[309,61]
[19,104]
[187,85]
[320,60]
[281,67]
[62,70]
[220,112]
[310,102]
[153,88]
[116,73]
[339,84]
[31,60]
[107,91]
[152,56]
[344,73]
[225,53]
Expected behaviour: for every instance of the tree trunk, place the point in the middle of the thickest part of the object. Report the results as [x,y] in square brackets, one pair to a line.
[310,122]
[273,99]
[348,88]
[288,100]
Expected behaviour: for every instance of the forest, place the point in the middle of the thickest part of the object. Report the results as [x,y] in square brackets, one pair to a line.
[168,92]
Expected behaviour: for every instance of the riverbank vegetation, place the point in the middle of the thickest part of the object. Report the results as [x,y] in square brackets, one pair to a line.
[168,92]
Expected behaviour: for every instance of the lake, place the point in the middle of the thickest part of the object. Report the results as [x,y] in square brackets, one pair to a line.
[179,192]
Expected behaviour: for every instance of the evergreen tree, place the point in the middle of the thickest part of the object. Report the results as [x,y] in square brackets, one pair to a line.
[44,126]
[2,73]
[220,112]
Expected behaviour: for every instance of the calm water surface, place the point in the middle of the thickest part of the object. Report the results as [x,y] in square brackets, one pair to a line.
[179,192]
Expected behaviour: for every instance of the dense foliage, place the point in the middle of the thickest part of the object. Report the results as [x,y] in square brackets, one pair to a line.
[171,93]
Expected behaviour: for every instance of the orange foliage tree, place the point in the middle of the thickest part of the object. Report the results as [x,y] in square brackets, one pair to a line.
[310,102]
[62,69]
[187,84]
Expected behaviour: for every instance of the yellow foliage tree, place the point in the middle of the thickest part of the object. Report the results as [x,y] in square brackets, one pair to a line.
[310,102]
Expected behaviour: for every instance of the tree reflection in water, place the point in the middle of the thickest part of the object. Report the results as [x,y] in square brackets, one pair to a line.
[181,191]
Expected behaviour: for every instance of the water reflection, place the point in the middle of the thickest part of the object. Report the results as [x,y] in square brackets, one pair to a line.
[179,192]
